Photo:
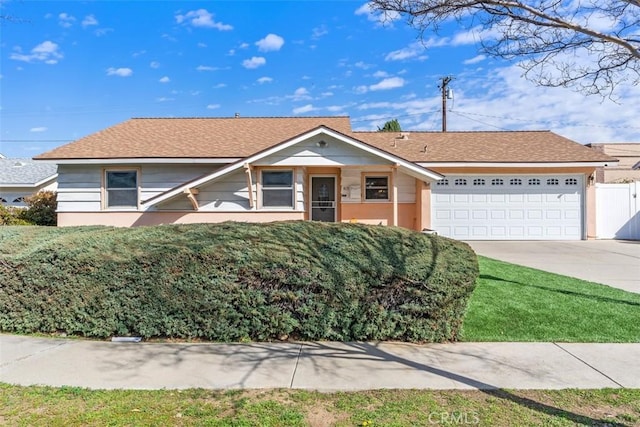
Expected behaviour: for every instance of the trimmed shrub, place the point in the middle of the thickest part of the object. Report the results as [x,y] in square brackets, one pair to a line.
[236,281]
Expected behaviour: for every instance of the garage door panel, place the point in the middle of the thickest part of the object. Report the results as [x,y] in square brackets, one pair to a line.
[461,214]
[535,214]
[480,231]
[498,214]
[443,214]
[516,214]
[510,207]
[479,213]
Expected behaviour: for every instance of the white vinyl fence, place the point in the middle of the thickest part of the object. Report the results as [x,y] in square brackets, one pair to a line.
[618,211]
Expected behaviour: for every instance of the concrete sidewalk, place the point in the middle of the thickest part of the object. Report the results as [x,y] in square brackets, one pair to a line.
[324,366]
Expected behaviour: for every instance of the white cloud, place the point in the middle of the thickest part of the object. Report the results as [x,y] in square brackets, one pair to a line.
[154,64]
[413,51]
[318,32]
[385,84]
[219,86]
[213,106]
[47,52]
[362,65]
[301,94]
[89,20]
[474,60]
[102,31]
[263,80]
[202,45]
[120,72]
[304,109]
[379,17]
[164,99]
[254,62]
[206,68]
[271,42]
[335,108]
[202,18]
[380,74]
[388,83]
[165,79]
[65,20]
[243,45]
[38,129]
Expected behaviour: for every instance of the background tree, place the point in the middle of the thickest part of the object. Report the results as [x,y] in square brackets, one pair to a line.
[390,126]
[590,45]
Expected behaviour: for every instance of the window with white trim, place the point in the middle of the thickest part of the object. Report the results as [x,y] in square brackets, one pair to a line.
[277,189]
[443,182]
[460,181]
[553,181]
[515,181]
[534,181]
[570,181]
[121,189]
[376,187]
[478,181]
[497,181]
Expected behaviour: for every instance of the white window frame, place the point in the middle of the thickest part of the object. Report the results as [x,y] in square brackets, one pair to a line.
[264,188]
[105,189]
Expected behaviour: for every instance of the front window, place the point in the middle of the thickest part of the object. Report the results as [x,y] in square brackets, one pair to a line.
[277,189]
[376,188]
[121,189]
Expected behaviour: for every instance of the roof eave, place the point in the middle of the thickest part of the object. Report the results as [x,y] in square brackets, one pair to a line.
[518,164]
[140,160]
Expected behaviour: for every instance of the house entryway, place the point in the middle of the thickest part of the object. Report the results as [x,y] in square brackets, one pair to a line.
[323,198]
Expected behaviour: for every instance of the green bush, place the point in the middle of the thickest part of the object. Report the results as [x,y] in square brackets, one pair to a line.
[41,209]
[11,216]
[236,281]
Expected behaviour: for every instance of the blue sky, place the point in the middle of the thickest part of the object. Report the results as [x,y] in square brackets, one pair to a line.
[72,68]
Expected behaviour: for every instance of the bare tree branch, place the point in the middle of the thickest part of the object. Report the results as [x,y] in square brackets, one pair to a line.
[590,45]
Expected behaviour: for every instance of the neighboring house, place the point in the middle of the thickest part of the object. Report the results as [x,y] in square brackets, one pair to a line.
[628,167]
[21,178]
[466,185]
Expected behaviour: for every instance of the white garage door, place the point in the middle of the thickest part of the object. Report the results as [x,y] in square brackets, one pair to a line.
[512,207]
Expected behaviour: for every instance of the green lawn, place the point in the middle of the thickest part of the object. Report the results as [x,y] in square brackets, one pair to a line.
[79,407]
[515,303]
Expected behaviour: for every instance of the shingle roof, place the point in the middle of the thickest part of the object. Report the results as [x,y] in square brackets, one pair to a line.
[502,147]
[192,137]
[25,171]
[242,137]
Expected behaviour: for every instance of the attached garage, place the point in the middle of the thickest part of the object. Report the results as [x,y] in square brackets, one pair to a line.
[509,207]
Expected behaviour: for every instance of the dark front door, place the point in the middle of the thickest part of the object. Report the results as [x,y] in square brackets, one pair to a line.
[323,198]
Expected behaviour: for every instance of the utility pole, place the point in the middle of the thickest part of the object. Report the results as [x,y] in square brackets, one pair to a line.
[443,87]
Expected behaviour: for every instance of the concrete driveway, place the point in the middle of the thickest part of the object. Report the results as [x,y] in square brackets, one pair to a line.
[612,262]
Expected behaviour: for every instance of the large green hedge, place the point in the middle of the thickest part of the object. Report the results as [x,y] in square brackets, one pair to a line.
[235,281]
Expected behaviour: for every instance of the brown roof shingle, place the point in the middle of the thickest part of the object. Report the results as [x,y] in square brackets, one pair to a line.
[499,146]
[192,137]
[244,136]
